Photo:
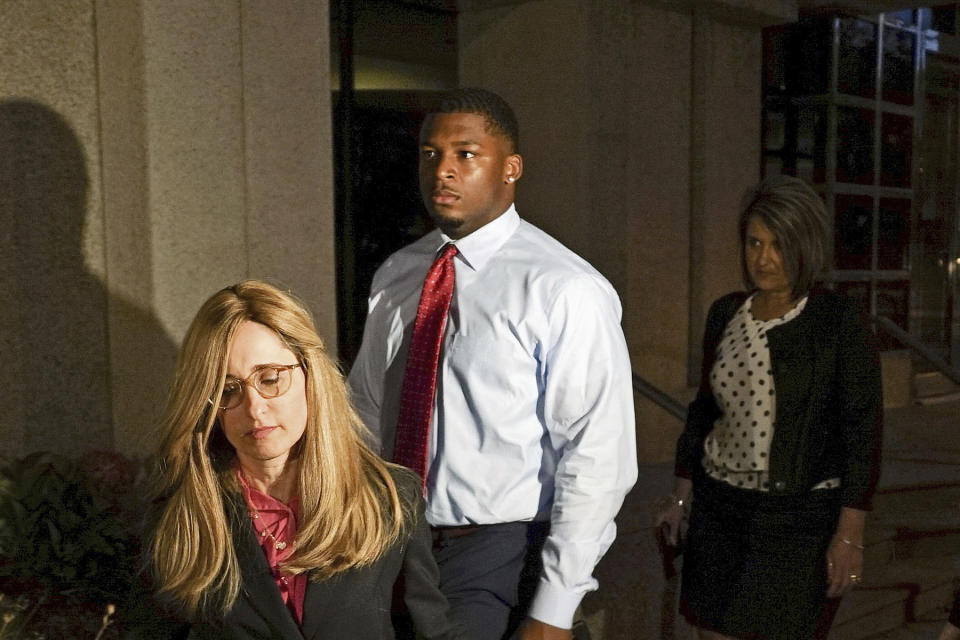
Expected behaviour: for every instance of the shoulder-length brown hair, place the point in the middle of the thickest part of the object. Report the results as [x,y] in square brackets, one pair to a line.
[350,511]
[796,216]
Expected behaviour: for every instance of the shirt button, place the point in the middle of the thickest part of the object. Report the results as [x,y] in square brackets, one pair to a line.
[780,485]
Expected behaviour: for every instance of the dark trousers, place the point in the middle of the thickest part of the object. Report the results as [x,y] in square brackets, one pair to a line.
[489,574]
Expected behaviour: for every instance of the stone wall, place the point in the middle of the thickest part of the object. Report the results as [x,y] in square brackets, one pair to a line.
[640,127]
[150,154]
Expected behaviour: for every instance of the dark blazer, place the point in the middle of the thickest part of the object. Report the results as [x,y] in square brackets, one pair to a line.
[829,403]
[355,604]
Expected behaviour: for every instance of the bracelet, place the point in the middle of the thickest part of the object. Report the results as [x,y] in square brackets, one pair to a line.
[851,543]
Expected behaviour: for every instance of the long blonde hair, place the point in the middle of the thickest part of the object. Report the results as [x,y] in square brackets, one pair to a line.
[350,510]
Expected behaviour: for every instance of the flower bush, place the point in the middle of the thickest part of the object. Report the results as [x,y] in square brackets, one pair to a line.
[68,544]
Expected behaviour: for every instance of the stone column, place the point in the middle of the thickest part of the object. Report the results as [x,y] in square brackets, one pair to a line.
[222,125]
[159,151]
[53,330]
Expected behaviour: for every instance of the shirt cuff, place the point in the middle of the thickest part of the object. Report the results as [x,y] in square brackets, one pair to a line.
[554,605]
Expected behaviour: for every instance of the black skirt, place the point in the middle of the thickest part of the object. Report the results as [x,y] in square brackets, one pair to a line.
[755,564]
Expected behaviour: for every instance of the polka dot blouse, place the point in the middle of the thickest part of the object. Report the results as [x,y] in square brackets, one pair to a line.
[737,450]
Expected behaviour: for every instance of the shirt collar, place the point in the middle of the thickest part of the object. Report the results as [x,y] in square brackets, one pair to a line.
[477,248]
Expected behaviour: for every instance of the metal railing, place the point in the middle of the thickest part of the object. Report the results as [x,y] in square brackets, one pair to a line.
[915,345]
[679,411]
[658,397]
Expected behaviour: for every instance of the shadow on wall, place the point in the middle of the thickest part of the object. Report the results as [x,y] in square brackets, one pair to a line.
[54,330]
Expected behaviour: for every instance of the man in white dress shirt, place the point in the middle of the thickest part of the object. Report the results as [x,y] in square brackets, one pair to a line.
[532,431]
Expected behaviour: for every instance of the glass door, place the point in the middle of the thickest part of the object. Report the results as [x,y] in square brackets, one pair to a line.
[934,246]
[865,109]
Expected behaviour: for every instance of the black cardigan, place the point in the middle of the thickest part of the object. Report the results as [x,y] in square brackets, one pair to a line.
[829,414]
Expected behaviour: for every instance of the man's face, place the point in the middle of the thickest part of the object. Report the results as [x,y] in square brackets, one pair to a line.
[467,174]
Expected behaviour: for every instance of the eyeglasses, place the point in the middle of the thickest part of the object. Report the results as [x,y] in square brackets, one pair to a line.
[270,381]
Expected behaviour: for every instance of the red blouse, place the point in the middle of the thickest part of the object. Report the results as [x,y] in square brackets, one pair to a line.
[276,527]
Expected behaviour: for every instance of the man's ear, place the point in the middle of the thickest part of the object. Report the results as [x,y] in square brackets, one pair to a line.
[513,168]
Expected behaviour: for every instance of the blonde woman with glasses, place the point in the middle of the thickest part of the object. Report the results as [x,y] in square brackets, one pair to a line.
[272,518]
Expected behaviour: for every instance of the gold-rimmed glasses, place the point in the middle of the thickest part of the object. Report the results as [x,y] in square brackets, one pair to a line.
[270,381]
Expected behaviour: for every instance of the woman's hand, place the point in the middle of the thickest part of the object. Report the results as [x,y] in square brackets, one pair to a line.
[845,553]
[671,509]
[668,519]
[844,567]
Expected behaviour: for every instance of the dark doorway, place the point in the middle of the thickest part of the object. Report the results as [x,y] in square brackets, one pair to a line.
[385,209]
[391,59]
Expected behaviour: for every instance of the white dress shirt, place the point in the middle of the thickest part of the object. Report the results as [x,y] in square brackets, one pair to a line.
[533,418]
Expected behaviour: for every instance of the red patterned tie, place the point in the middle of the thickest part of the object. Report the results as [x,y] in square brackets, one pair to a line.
[420,377]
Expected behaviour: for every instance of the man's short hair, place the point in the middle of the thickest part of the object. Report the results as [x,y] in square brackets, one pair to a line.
[499,116]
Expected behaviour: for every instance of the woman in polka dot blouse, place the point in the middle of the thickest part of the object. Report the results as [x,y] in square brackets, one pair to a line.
[780,454]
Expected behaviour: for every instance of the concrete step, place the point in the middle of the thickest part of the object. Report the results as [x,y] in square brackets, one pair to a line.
[930,493]
[864,614]
[911,523]
[926,545]
[919,431]
[881,545]
[912,555]
[912,631]
[927,627]
[931,384]
[914,523]
[895,594]
[946,398]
